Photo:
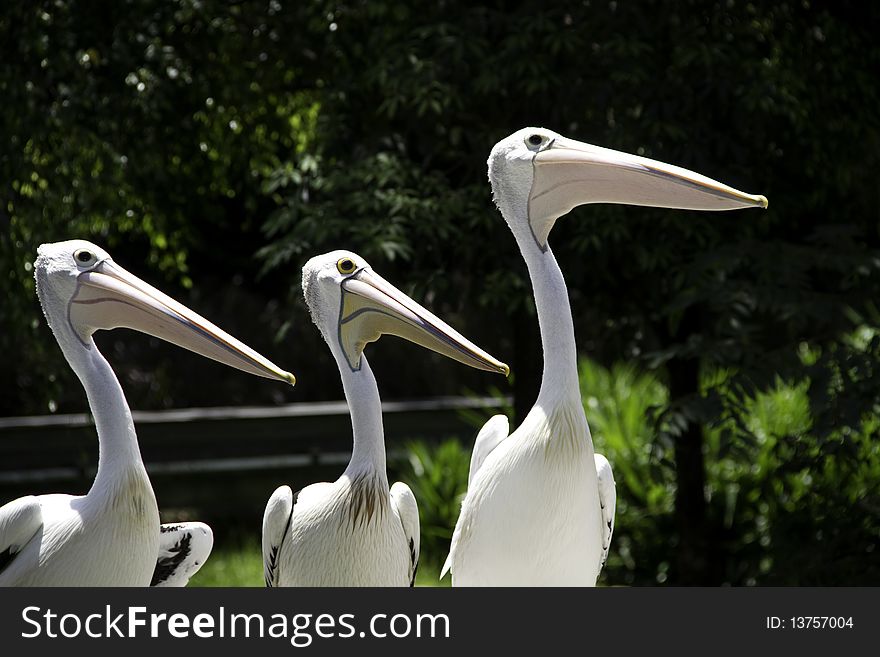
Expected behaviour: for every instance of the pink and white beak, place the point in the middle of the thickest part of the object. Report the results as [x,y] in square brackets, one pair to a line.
[107,297]
[371,307]
[569,173]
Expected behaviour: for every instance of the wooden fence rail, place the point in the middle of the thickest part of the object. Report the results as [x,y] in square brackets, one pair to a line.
[221,464]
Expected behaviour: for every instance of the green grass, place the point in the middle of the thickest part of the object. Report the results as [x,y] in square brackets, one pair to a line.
[239,563]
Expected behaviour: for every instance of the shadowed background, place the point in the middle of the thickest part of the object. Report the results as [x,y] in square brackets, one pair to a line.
[213,147]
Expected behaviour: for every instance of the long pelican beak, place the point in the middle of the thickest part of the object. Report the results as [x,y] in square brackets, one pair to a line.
[569,173]
[371,306]
[109,297]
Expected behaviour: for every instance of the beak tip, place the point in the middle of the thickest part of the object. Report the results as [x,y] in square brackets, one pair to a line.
[505,370]
[290,378]
[763,202]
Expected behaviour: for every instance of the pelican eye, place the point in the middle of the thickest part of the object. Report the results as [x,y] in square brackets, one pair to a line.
[346,266]
[84,257]
[535,140]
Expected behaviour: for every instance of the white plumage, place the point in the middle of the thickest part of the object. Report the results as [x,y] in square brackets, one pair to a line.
[346,533]
[111,535]
[183,549]
[607,502]
[356,531]
[492,433]
[530,506]
[540,504]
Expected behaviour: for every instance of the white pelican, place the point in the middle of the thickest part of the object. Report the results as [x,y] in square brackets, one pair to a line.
[540,505]
[356,531]
[110,536]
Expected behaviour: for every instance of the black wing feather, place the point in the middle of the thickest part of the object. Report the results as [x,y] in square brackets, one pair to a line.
[166,566]
[414,561]
[6,557]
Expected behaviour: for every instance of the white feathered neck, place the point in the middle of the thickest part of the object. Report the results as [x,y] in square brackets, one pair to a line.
[559,382]
[118,450]
[365,409]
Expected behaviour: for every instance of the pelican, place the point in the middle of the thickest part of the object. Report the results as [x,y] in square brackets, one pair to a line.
[356,531]
[540,505]
[110,536]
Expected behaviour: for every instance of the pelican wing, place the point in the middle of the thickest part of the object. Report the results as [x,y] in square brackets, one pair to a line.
[183,549]
[608,502]
[276,526]
[404,503]
[20,520]
[490,436]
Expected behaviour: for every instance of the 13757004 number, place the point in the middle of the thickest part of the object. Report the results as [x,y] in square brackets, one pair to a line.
[820,622]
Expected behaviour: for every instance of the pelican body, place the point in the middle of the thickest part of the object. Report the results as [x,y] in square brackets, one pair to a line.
[540,505]
[357,531]
[110,536]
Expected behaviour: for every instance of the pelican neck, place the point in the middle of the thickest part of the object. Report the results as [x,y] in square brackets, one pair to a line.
[118,449]
[559,380]
[365,409]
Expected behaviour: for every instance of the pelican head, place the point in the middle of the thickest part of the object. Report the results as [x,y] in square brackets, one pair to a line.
[352,305]
[82,291]
[538,175]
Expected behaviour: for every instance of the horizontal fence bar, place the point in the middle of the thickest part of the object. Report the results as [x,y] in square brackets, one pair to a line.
[201,466]
[301,409]
[223,463]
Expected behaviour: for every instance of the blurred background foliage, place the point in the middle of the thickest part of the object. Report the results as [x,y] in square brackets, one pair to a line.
[213,147]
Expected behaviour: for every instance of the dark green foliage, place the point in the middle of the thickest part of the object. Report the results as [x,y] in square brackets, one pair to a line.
[213,147]
[146,127]
[787,505]
[437,475]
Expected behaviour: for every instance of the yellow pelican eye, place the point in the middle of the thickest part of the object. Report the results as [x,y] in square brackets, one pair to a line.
[84,257]
[346,266]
